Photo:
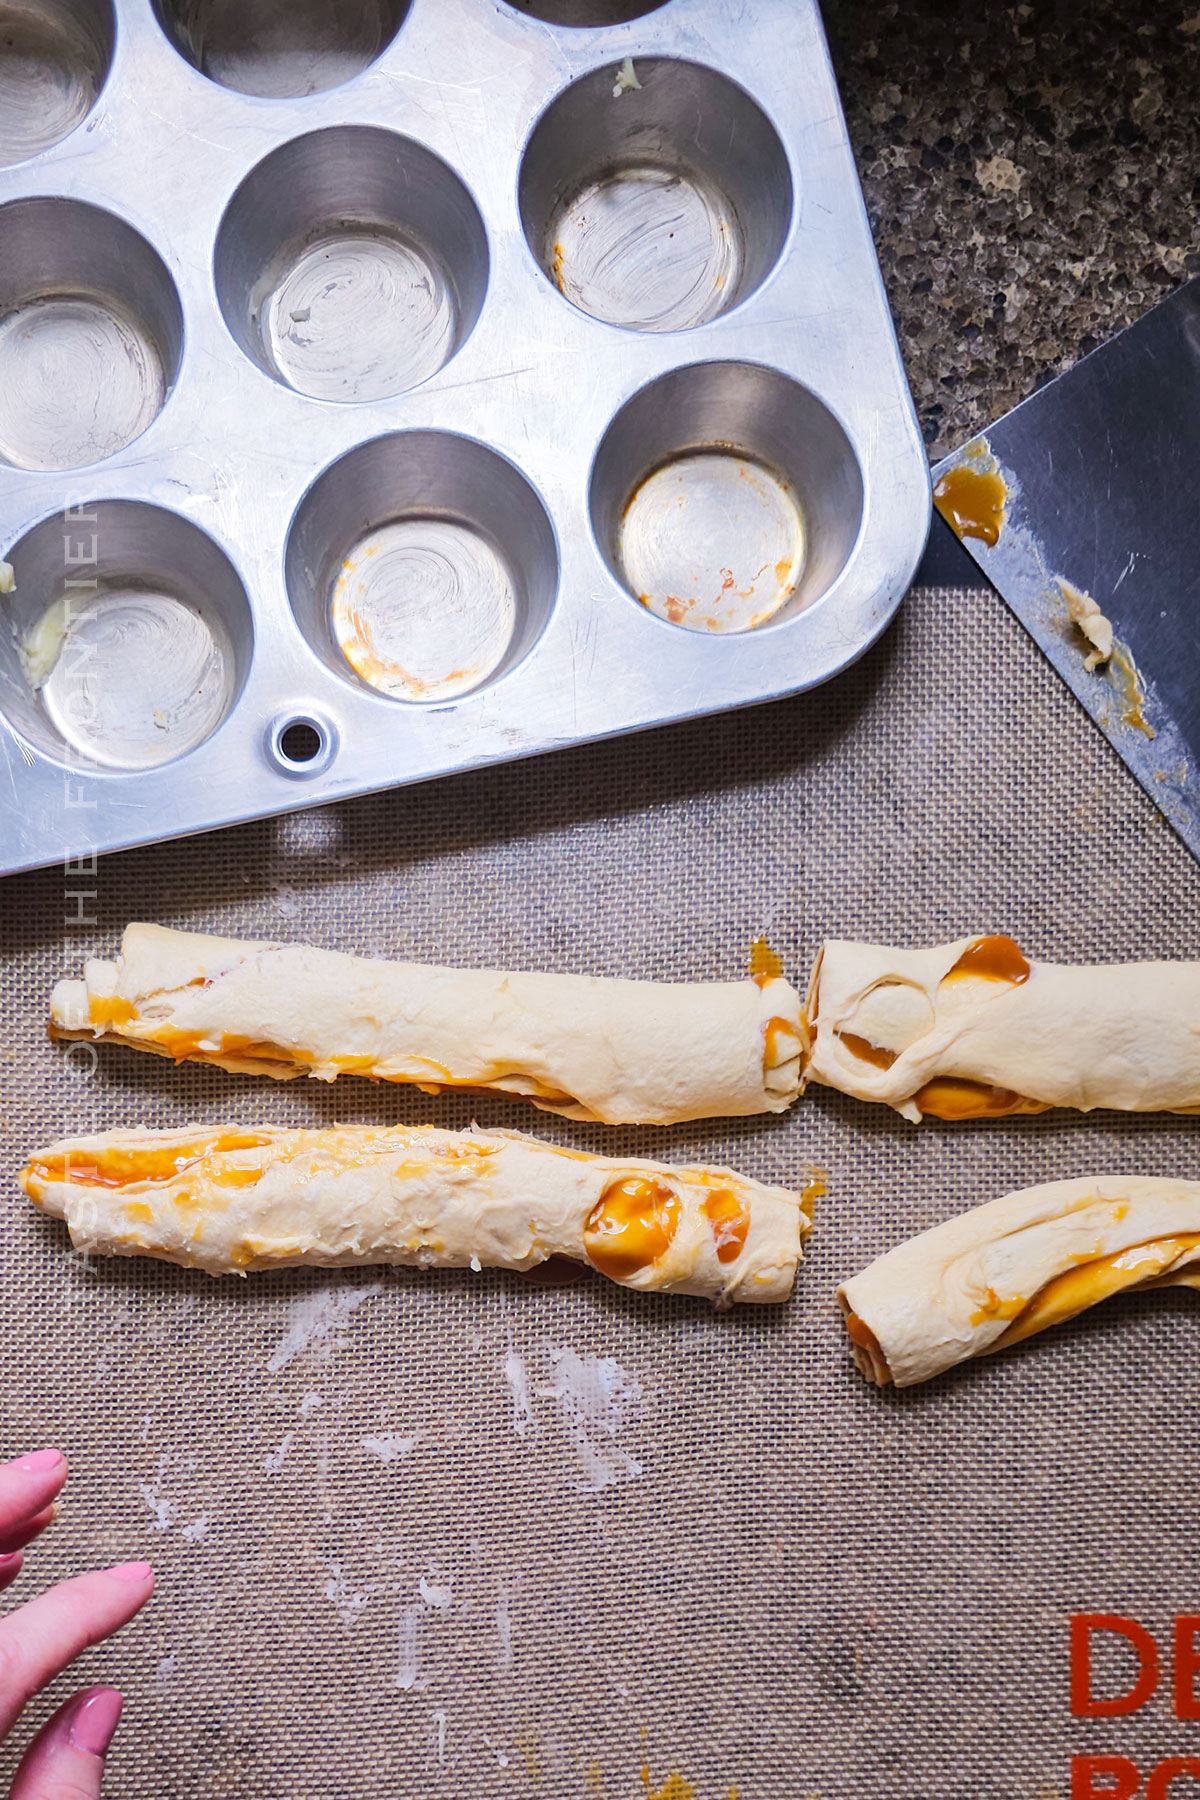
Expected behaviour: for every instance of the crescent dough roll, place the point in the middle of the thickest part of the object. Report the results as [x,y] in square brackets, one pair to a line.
[973,1029]
[997,1274]
[228,1200]
[626,1052]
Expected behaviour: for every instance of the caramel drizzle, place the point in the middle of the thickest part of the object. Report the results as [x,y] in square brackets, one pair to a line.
[765,965]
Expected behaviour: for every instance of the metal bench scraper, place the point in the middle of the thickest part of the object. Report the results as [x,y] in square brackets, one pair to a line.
[1082,507]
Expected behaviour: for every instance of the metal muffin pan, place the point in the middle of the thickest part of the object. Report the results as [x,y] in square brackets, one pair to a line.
[391,389]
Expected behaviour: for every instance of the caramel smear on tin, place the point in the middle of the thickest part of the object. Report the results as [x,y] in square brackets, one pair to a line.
[765,965]
[954,1097]
[992,959]
[1131,690]
[631,1226]
[972,496]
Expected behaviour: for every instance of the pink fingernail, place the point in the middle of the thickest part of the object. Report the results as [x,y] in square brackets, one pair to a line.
[11,1559]
[39,1462]
[95,1719]
[135,1571]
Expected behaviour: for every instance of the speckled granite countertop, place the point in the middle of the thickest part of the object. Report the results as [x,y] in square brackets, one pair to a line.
[1032,173]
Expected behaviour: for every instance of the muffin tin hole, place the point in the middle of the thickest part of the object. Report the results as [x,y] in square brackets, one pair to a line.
[585,12]
[301,741]
[351,264]
[301,745]
[130,635]
[725,496]
[54,59]
[281,49]
[91,334]
[421,565]
[655,207]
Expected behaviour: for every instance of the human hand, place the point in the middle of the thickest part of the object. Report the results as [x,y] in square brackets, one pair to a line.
[66,1759]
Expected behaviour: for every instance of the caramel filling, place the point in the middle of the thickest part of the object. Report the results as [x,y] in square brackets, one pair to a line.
[431,1077]
[1076,1289]
[861,1335]
[110,1009]
[117,1166]
[954,1097]
[992,958]
[185,1046]
[631,1226]
[781,1042]
[972,500]
[729,1217]
[866,1051]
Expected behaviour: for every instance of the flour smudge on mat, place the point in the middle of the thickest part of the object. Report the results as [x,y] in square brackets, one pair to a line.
[316,1322]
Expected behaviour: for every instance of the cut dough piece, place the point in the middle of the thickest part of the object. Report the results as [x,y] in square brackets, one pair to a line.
[997,1274]
[229,1199]
[976,1030]
[626,1052]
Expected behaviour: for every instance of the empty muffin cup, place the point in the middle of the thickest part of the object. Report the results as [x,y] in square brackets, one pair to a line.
[54,59]
[129,635]
[351,264]
[280,49]
[725,497]
[422,565]
[655,194]
[91,334]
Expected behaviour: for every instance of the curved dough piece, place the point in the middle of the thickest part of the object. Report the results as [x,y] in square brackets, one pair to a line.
[229,1199]
[886,1024]
[1002,1272]
[625,1052]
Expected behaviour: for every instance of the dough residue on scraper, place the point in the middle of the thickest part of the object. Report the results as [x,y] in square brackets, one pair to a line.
[1084,613]
[1123,674]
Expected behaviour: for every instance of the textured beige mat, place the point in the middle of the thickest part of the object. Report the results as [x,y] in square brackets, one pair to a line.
[464,1536]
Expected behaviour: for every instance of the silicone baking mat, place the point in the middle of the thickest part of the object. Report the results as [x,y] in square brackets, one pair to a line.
[434,1534]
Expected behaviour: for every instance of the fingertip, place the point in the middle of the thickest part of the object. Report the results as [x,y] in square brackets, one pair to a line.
[40,1462]
[67,1755]
[132,1572]
[11,1564]
[93,1719]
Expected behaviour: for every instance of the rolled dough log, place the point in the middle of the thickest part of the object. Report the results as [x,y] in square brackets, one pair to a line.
[974,1029]
[229,1199]
[626,1052]
[992,1276]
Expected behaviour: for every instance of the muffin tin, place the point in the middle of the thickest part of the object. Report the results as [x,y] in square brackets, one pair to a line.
[390,389]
